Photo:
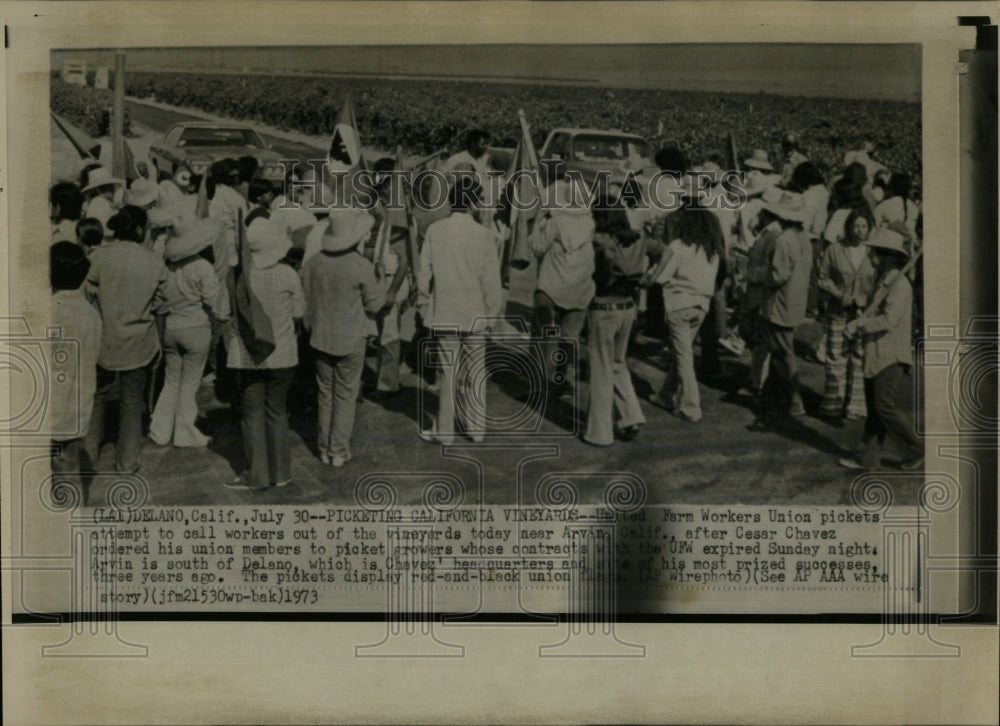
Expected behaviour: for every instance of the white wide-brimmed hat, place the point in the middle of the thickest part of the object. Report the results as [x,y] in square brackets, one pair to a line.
[884,238]
[142,193]
[192,238]
[267,242]
[101,177]
[347,228]
[785,204]
[758,160]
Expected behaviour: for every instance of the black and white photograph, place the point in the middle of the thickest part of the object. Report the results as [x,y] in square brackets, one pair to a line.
[739,331]
[583,334]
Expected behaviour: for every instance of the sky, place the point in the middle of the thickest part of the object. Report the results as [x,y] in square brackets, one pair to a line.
[890,72]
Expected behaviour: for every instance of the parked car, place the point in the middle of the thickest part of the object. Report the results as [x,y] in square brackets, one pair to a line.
[199,144]
[585,150]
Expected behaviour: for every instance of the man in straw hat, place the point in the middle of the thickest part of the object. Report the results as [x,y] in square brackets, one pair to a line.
[459,294]
[786,282]
[887,331]
[191,290]
[341,291]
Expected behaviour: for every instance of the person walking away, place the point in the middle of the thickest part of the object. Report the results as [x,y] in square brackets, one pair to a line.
[846,278]
[191,293]
[341,291]
[887,359]
[563,243]
[71,400]
[689,271]
[264,384]
[459,295]
[128,281]
[784,305]
[621,256]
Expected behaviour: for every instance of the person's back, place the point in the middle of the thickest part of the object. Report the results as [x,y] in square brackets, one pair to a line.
[461,259]
[791,265]
[127,280]
[340,289]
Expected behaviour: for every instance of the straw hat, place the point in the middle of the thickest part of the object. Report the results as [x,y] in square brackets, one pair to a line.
[759,160]
[142,193]
[193,237]
[101,177]
[884,238]
[181,212]
[757,182]
[267,242]
[346,229]
[785,204]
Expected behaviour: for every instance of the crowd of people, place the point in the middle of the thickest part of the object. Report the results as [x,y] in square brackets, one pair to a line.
[228,279]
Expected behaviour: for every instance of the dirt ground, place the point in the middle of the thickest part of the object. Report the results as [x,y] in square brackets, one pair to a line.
[718,460]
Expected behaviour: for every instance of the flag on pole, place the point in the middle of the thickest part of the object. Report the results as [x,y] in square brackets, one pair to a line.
[344,158]
[412,250]
[517,254]
[78,144]
[344,153]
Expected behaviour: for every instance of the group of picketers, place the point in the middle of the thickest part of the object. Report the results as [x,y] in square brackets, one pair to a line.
[233,280]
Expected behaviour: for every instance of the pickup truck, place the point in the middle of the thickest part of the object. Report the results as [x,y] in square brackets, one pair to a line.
[585,150]
[198,144]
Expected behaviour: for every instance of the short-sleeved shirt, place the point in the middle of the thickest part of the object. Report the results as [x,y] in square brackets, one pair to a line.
[280,293]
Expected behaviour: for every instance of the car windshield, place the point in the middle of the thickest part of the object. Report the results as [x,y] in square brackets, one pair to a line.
[219,137]
[608,148]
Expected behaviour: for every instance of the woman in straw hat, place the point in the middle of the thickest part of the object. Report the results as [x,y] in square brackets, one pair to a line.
[887,336]
[264,385]
[846,277]
[192,291]
[341,291]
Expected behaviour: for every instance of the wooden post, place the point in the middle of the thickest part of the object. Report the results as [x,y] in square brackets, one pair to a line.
[118,119]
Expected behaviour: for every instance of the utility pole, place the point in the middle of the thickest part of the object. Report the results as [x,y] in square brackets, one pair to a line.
[118,119]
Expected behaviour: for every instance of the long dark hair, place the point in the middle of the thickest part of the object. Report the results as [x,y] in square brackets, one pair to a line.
[697,227]
[610,219]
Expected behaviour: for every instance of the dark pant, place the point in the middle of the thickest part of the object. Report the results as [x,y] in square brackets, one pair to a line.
[570,324]
[266,435]
[131,406]
[713,328]
[887,422]
[69,459]
[784,370]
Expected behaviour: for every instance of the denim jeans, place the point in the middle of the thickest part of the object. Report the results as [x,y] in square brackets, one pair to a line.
[681,386]
[461,408]
[131,406]
[266,436]
[887,422]
[338,380]
[185,351]
[570,324]
[610,380]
